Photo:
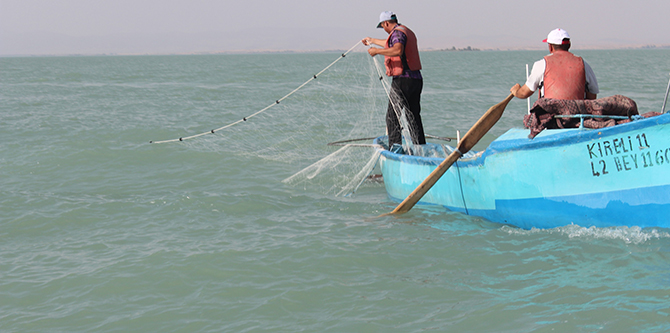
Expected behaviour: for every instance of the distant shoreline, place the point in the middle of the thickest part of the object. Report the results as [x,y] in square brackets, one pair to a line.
[242,52]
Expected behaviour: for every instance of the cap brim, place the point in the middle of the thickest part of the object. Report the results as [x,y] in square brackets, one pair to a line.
[544,40]
[379,25]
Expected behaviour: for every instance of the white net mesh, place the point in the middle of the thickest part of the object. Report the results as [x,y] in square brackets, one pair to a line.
[346,102]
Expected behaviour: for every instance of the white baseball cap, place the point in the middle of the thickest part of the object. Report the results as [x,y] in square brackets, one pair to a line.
[385,16]
[556,37]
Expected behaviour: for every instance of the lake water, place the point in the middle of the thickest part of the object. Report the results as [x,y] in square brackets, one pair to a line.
[102,231]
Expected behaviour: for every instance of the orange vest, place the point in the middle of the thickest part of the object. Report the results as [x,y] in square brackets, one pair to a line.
[564,76]
[394,65]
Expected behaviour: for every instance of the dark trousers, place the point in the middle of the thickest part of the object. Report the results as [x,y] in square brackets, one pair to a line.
[405,92]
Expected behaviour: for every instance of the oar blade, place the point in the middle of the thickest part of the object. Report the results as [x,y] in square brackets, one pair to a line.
[483,125]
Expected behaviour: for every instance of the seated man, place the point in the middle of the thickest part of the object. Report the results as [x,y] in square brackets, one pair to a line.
[561,74]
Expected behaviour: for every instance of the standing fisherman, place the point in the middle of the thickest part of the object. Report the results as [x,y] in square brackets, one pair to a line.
[402,62]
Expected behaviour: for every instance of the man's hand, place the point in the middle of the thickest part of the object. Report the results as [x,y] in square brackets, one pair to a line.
[514,89]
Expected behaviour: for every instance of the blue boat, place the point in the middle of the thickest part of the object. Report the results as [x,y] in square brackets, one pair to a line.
[614,176]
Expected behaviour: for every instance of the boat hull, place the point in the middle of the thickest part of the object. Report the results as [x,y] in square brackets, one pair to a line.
[616,176]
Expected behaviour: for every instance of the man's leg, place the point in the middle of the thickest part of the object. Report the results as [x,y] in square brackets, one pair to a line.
[392,113]
[413,96]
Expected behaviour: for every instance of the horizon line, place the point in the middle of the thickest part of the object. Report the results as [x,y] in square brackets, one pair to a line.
[294,51]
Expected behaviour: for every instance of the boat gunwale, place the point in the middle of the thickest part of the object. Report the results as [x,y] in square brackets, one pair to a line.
[546,140]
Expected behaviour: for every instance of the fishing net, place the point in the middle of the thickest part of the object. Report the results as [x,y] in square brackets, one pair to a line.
[345,170]
[344,102]
[359,113]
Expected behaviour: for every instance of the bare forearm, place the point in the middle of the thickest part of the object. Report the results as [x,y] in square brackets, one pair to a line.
[520,91]
[375,41]
[394,51]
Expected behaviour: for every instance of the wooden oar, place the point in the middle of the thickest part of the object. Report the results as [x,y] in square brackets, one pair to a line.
[481,127]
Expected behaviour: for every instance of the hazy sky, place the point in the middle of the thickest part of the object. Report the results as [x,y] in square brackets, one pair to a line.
[190,26]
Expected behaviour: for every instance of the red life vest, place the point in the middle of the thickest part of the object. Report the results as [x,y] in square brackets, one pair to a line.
[394,65]
[564,76]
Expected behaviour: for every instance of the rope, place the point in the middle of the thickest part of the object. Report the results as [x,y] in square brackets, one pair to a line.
[439,137]
[460,182]
[344,142]
[387,89]
[267,107]
[357,145]
[338,143]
